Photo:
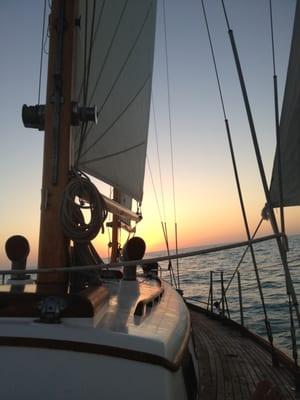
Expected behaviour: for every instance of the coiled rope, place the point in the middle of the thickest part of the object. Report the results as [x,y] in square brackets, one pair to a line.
[82,195]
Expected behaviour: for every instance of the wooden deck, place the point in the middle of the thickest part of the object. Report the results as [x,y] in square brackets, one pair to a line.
[232,364]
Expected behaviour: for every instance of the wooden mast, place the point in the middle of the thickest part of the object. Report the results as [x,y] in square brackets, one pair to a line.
[53,245]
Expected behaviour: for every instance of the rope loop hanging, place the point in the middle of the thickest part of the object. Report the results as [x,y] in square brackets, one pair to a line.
[80,196]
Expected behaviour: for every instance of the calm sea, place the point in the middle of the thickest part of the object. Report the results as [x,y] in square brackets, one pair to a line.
[195,278]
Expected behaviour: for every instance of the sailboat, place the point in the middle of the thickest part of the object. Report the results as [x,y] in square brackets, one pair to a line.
[92,328]
[109,333]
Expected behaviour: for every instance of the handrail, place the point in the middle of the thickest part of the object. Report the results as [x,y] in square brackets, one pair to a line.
[144,261]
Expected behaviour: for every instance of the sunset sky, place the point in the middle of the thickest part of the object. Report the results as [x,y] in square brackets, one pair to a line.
[206,198]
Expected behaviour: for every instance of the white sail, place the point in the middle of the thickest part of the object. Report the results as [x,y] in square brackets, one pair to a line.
[290,129]
[118,81]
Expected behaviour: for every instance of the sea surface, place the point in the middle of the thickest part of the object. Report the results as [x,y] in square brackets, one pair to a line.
[194,275]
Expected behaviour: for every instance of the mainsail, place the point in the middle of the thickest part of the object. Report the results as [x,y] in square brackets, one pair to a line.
[289,130]
[114,63]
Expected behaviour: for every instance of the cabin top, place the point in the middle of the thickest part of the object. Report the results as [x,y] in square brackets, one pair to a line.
[143,319]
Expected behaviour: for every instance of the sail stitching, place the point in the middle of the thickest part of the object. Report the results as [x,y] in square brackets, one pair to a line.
[87,69]
[108,51]
[117,118]
[90,54]
[94,37]
[114,154]
[122,67]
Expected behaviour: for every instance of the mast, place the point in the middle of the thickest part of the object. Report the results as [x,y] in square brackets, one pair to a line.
[53,245]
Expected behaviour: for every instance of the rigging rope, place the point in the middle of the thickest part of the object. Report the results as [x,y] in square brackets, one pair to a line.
[279,164]
[81,194]
[280,183]
[163,221]
[242,205]
[170,266]
[214,60]
[232,154]
[94,38]
[86,71]
[88,68]
[48,32]
[282,249]
[293,332]
[242,258]
[144,260]
[153,186]
[42,53]
[85,47]
[164,228]
[171,139]
[158,158]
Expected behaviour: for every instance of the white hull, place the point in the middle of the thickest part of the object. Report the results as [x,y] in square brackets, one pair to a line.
[114,354]
[37,373]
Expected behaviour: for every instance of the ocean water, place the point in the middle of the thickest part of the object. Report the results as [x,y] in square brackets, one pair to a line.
[194,275]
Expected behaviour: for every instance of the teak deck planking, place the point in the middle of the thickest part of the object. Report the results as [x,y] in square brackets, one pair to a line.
[231,364]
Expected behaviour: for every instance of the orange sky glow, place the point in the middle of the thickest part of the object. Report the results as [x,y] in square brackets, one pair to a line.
[207,206]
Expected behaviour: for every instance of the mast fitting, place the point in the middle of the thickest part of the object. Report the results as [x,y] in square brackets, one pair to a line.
[34,116]
[83,114]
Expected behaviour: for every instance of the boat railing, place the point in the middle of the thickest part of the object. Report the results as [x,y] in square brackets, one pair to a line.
[144,261]
[216,302]
[211,302]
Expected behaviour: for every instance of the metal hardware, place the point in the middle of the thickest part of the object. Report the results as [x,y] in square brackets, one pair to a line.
[240,299]
[51,308]
[210,300]
[83,114]
[223,294]
[34,116]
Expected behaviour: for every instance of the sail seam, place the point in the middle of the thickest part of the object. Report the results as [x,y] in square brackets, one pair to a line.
[87,69]
[108,51]
[85,130]
[93,39]
[122,68]
[118,117]
[114,154]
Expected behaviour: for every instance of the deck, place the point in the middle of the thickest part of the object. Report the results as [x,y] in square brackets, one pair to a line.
[232,364]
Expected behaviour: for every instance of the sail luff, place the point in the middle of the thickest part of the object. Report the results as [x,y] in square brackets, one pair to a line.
[289,130]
